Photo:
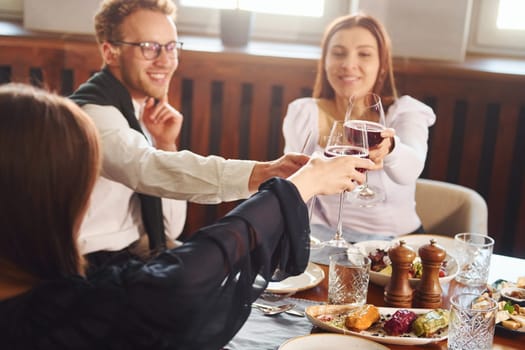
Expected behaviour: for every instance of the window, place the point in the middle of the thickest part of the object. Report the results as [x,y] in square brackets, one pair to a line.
[499,27]
[292,20]
[510,15]
[311,8]
[490,27]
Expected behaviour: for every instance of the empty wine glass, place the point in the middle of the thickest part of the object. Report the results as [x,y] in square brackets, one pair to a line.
[336,146]
[370,119]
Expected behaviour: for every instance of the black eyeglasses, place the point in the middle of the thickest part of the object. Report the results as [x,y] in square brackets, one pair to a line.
[151,50]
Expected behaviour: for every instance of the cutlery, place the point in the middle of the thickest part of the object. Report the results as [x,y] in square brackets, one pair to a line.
[269,296]
[270,310]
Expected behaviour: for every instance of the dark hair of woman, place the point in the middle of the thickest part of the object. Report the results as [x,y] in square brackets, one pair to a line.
[48,165]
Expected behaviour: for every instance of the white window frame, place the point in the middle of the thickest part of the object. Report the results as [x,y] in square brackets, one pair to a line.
[484,37]
[487,38]
[269,27]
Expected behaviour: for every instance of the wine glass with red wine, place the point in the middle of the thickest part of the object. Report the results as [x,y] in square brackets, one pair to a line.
[369,118]
[337,146]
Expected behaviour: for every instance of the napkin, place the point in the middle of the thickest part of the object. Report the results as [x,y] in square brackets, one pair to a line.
[268,332]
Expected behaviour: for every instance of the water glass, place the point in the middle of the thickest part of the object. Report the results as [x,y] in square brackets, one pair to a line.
[472,322]
[473,252]
[348,276]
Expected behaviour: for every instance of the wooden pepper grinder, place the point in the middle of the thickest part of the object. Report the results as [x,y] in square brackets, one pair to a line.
[398,292]
[428,292]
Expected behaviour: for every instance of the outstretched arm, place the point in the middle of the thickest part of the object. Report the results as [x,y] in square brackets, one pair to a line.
[281,167]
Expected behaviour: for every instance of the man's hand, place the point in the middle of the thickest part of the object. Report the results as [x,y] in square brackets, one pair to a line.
[281,167]
[163,122]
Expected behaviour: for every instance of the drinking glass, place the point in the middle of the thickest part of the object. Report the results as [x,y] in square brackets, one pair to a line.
[472,322]
[473,252]
[370,119]
[338,145]
[348,277]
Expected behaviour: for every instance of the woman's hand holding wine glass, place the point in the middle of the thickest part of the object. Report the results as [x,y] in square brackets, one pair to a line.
[366,114]
[338,145]
[338,174]
[378,153]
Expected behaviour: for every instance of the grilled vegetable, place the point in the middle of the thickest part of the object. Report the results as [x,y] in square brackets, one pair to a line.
[431,322]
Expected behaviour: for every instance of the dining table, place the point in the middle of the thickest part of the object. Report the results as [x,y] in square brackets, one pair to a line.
[501,267]
[268,333]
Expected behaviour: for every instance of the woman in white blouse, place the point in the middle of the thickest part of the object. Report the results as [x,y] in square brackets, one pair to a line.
[356,58]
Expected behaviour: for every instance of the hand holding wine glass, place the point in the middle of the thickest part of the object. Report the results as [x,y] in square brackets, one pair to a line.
[336,146]
[365,114]
[378,153]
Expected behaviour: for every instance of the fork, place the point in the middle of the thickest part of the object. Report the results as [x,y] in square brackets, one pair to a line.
[270,310]
[269,296]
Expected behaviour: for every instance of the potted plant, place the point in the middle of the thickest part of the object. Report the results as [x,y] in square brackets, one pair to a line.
[235,26]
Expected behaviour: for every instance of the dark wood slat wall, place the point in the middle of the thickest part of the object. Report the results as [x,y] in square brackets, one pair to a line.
[234,104]
[477,142]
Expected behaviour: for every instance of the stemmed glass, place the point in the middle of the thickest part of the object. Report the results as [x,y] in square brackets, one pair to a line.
[315,243]
[371,119]
[336,146]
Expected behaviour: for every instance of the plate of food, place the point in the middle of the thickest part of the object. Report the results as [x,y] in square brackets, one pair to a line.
[335,341]
[382,324]
[514,295]
[511,307]
[381,269]
[311,277]
[510,317]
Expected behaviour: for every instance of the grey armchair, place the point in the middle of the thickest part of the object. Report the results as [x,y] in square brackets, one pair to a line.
[447,209]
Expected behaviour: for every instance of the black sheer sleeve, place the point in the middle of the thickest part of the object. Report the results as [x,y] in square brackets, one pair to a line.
[213,276]
[196,296]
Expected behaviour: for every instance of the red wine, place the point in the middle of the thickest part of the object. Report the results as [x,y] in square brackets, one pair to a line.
[373,131]
[336,151]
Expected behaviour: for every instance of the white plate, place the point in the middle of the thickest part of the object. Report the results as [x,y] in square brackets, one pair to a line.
[329,341]
[311,277]
[382,279]
[375,333]
[507,291]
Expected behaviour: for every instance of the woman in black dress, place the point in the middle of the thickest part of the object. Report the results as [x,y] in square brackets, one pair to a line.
[196,296]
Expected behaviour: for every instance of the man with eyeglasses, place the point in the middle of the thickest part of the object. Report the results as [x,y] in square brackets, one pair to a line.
[141,195]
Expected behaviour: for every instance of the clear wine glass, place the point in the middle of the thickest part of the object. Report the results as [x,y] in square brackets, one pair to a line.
[315,243]
[370,118]
[336,146]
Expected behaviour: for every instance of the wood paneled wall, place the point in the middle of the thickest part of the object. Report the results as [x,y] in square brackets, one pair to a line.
[234,104]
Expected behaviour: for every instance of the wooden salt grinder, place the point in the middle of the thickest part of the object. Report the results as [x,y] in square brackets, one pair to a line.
[428,292]
[398,292]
